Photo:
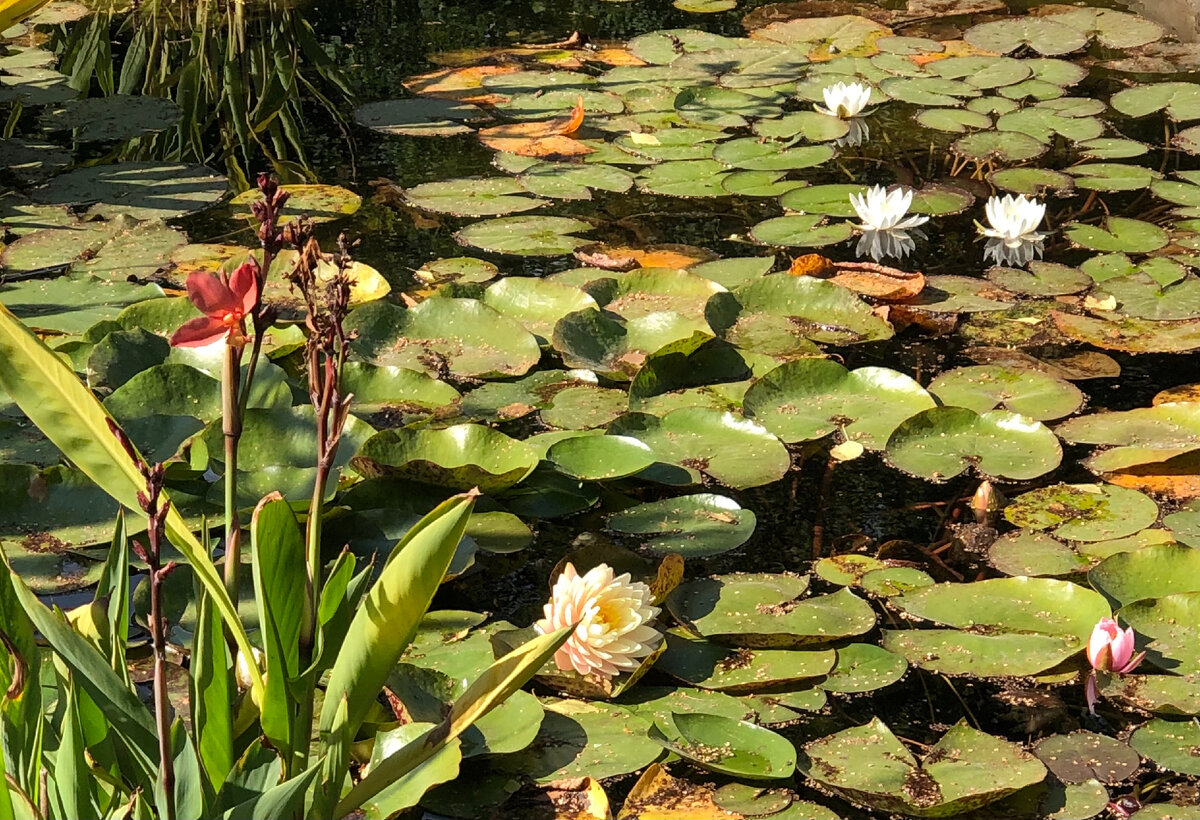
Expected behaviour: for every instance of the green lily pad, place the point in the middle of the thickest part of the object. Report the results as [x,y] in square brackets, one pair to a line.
[809,398]
[1111,148]
[686,178]
[928,91]
[562,180]
[845,35]
[1042,279]
[711,666]
[953,120]
[730,747]
[387,389]
[1028,392]
[751,800]
[1151,572]
[781,315]
[1083,512]
[1181,101]
[752,154]
[142,190]
[462,269]
[764,611]
[535,303]
[735,451]
[459,457]
[691,525]
[320,203]
[1172,745]
[863,667]
[582,739]
[525,235]
[71,304]
[465,336]
[1112,176]
[1172,622]
[760,183]
[965,770]
[472,197]
[617,348]
[1043,123]
[1165,694]
[813,126]
[418,117]
[1042,34]
[647,291]
[801,231]
[48,513]
[584,407]
[1028,552]
[1140,296]
[943,442]
[671,144]
[116,117]
[1129,334]
[600,458]
[1008,146]
[1115,29]
[982,72]
[715,107]
[1081,756]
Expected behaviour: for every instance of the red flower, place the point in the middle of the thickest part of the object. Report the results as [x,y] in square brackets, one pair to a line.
[225,303]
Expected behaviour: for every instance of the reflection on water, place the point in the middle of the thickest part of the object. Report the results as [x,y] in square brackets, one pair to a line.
[247,80]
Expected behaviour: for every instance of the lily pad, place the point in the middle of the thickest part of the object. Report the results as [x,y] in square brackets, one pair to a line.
[779,315]
[1173,745]
[1042,34]
[710,666]
[985,387]
[617,348]
[765,611]
[1008,146]
[525,235]
[116,117]
[142,190]
[686,178]
[1181,101]
[1129,334]
[1172,622]
[600,458]
[965,770]
[733,450]
[863,667]
[1042,279]
[1083,512]
[535,303]
[1148,573]
[459,457]
[690,525]
[730,747]
[1028,552]
[418,117]
[472,197]
[320,203]
[943,442]
[463,335]
[809,398]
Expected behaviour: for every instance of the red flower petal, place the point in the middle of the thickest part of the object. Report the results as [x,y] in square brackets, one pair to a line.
[210,295]
[244,285]
[198,332]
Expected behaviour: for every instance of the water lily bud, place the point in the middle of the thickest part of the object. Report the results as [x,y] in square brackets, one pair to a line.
[986,502]
[1110,649]
[613,615]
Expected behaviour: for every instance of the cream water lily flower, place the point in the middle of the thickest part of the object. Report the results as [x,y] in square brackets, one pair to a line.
[845,100]
[1012,235]
[614,614]
[848,101]
[885,222]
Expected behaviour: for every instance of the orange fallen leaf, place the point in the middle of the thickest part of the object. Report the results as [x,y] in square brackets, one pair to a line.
[460,84]
[539,139]
[812,264]
[1177,477]
[623,258]
[1184,392]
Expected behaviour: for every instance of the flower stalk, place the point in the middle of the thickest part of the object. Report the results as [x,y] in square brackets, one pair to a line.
[150,500]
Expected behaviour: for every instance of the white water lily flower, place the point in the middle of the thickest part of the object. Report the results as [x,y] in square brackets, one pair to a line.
[845,100]
[885,222]
[1012,235]
[614,614]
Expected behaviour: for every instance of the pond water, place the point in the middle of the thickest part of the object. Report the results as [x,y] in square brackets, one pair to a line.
[615,327]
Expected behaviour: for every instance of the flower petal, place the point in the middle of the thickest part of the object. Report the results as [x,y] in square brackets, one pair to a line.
[198,332]
[210,295]
[243,283]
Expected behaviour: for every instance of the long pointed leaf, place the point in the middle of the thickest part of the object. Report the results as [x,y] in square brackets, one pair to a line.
[277,547]
[212,693]
[52,397]
[91,671]
[383,626]
[489,690]
[283,800]
[112,593]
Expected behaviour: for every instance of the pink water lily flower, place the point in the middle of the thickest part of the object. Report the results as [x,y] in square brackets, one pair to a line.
[1110,649]
[225,301]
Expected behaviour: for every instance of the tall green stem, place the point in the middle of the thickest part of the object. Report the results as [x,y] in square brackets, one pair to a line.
[231,426]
